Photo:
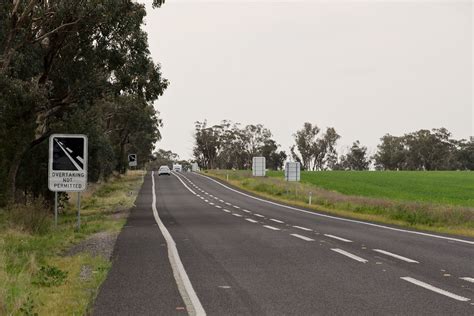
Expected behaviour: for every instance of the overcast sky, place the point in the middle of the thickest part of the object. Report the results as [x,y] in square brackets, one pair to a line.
[364,67]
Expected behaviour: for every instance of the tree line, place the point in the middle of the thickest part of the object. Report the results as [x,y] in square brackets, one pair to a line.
[74,66]
[228,145]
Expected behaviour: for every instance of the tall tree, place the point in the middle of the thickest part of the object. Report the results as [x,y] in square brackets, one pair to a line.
[356,158]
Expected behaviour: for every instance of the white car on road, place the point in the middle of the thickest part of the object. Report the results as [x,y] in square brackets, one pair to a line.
[164,170]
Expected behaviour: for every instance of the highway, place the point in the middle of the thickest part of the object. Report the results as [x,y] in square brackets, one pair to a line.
[230,253]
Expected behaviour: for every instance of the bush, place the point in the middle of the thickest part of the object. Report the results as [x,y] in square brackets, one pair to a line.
[32,217]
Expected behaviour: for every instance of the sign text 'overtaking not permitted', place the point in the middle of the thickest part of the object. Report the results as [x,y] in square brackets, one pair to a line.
[67,167]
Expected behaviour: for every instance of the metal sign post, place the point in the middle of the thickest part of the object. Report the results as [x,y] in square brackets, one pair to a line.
[55,209]
[67,167]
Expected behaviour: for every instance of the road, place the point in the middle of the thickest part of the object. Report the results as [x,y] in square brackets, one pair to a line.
[240,255]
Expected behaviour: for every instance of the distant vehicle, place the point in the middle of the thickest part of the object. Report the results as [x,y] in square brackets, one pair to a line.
[164,170]
[177,167]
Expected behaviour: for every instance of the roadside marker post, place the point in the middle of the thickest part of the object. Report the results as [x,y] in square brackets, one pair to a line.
[67,168]
[310,196]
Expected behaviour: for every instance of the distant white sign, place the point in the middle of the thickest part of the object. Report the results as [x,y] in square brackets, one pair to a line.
[292,171]
[67,167]
[194,167]
[258,166]
[132,160]
[177,167]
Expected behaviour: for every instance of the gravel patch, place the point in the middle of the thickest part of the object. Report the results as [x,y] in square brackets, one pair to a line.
[100,244]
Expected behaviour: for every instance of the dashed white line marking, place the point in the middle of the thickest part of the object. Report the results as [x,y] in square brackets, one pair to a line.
[216,198]
[238,215]
[222,201]
[80,159]
[227,203]
[302,237]
[435,289]
[227,211]
[206,201]
[201,197]
[276,221]
[211,203]
[206,193]
[468,279]
[235,206]
[338,238]
[258,215]
[271,227]
[246,211]
[218,206]
[70,151]
[395,256]
[251,220]
[350,255]
[303,228]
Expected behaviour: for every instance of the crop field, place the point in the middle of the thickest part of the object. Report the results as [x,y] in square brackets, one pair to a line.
[438,187]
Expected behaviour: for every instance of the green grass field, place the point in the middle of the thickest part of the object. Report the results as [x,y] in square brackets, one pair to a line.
[437,187]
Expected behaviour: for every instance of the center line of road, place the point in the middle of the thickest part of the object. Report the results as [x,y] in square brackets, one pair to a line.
[251,220]
[350,255]
[435,289]
[238,215]
[338,238]
[271,227]
[303,228]
[258,215]
[302,237]
[396,256]
[276,221]
[468,279]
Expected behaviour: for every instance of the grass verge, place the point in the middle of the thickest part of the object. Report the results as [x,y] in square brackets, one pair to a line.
[421,215]
[37,277]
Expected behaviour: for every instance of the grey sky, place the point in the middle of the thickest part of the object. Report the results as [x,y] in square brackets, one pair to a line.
[364,67]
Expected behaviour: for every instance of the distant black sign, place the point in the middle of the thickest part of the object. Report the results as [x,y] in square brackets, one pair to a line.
[132,160]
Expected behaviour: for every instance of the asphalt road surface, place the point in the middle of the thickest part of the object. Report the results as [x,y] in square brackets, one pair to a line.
[240,255]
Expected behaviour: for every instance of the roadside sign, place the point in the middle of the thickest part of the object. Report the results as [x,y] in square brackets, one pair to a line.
[67,167]
[132,160]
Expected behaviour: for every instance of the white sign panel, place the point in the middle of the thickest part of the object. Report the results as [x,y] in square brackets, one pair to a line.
[258,166]
[194,167]
[67,167]
[132,160]
[292,171]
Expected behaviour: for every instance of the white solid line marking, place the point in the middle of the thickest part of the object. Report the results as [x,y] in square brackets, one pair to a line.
[218,206]
[435,289]
[246,211]
[258,215]
[468,279]
[302,237]
[396,256]
[251,220]
[337,218]
[271,227]
[303,228]
[350,255]
[238,215]
[338,238]
[276,221]
[185,287]
[227,211]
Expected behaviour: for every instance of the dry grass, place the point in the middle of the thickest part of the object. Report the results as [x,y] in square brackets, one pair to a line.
[25,251]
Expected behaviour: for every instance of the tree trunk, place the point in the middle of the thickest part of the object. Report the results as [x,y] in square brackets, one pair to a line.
[12,173]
